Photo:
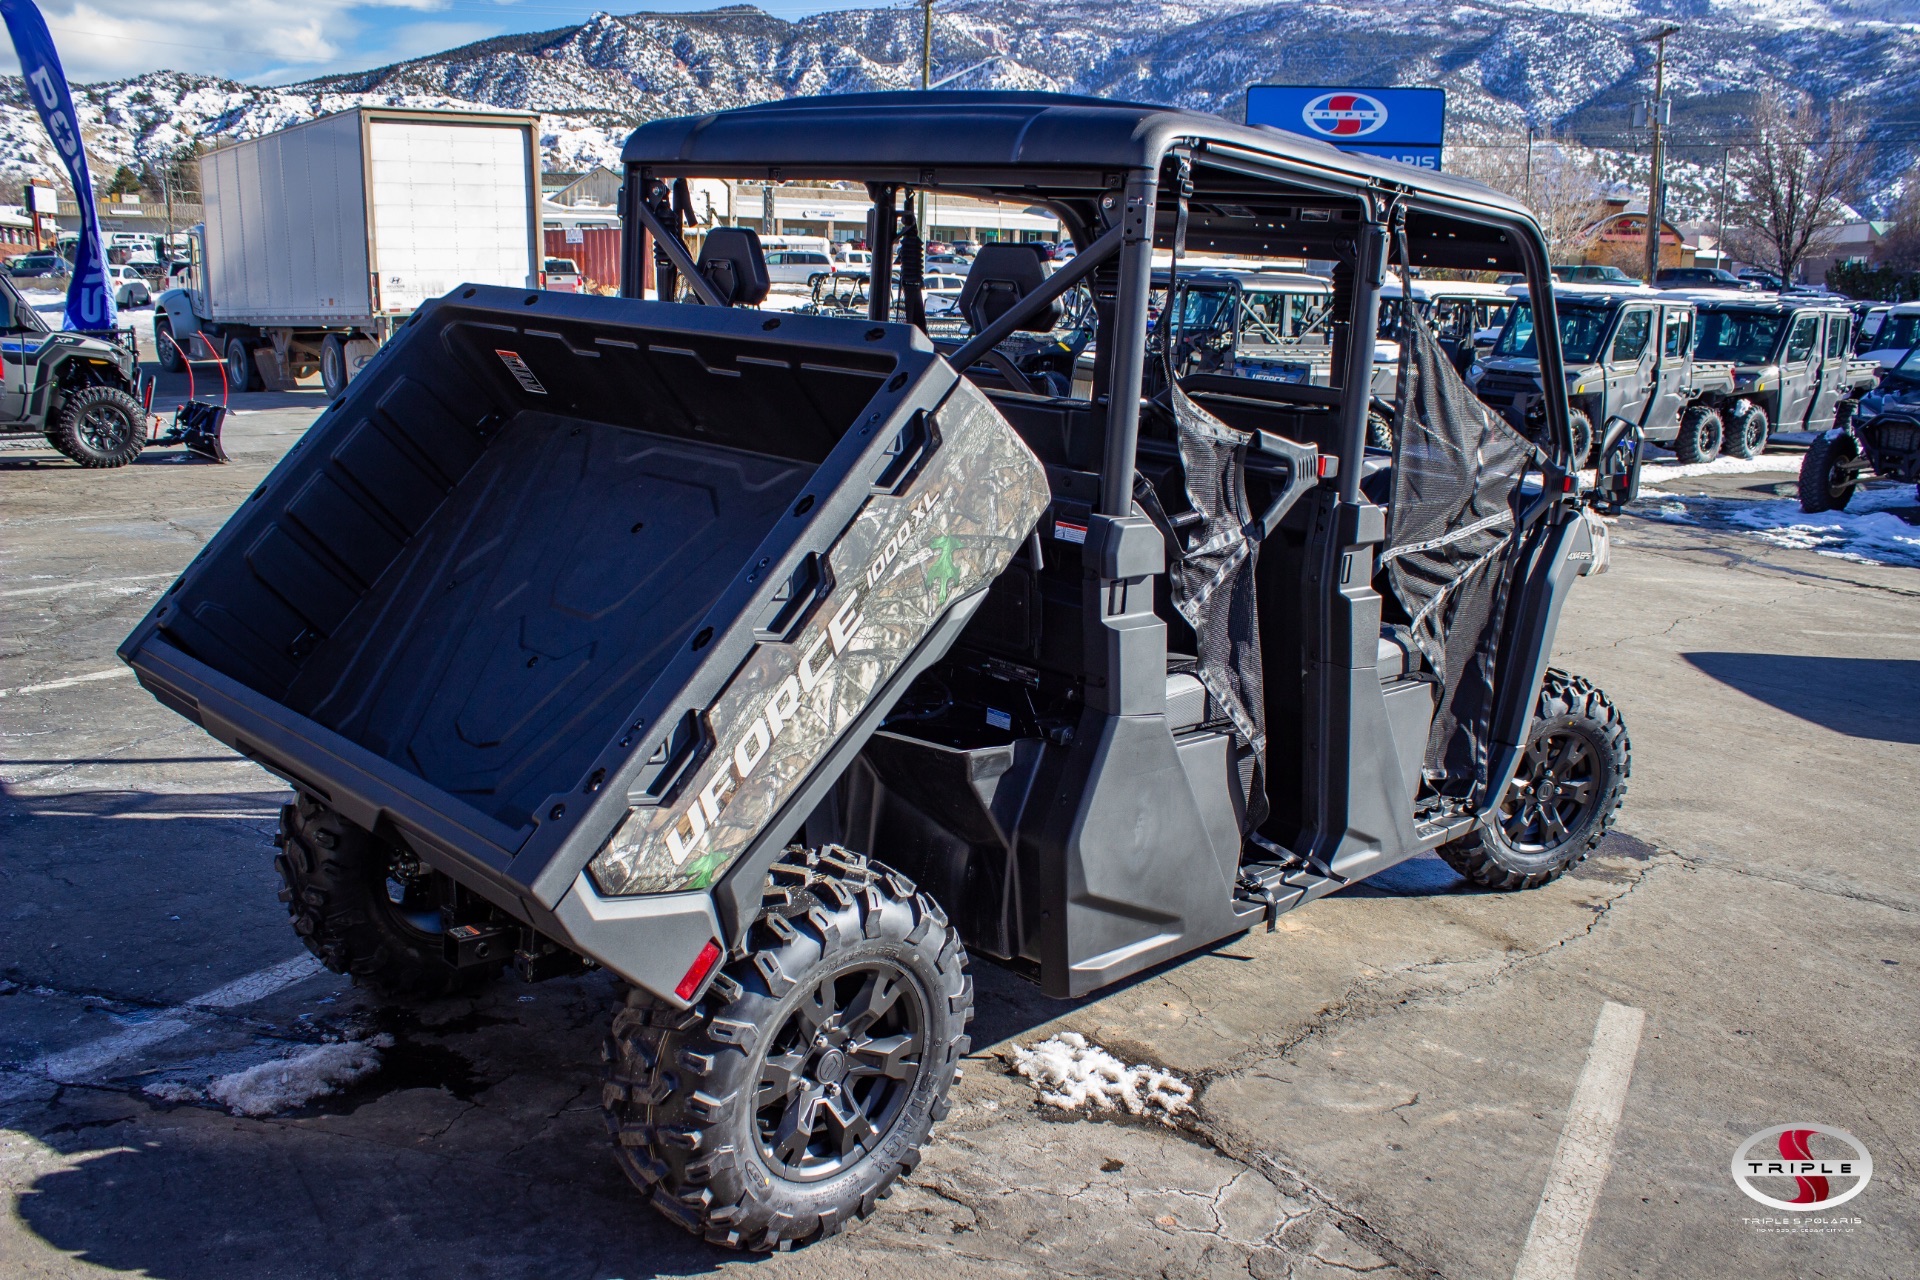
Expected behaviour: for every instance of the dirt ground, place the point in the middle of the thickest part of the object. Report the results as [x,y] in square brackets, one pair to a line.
[1382,1083]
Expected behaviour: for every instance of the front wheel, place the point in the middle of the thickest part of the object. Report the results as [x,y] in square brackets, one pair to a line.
[167,348]
[1379,431]
[1580,426]
[1829,473]
[788,1100]
[1748,433]
[100,427]
[1568,789]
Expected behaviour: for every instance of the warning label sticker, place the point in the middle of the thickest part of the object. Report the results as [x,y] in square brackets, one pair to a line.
[521,374]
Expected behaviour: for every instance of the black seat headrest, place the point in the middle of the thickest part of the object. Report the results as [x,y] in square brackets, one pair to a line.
[734,264]
[1002,274]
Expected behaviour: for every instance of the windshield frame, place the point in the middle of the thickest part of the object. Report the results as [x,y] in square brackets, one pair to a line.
[1568,311]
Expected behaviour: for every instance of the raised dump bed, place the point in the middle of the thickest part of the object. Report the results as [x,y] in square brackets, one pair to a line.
[543,565]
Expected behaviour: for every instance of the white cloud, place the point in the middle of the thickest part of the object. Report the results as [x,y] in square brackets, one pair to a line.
[241,39]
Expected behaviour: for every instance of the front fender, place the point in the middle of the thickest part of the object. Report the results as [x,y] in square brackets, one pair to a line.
[177,306]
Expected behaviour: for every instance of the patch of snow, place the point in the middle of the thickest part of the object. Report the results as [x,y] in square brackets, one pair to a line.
[1660,472]
[173,1091]
[295,1080]
[1073,1074]
[1868,532]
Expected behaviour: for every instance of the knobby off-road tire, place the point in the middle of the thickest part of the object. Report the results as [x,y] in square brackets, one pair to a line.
[1568,789]
[364,908]
[1702,435]
[100,427]
[1379,430]
[1826,482]
[789,1099]
[1580,427]
[1747,433]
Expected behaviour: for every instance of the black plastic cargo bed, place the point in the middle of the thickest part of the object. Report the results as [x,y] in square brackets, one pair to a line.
[528,575]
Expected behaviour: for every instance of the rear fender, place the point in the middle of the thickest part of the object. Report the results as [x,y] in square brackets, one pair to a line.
[1549,563]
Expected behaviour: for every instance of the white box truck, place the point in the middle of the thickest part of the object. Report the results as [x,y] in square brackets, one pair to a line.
[323,237]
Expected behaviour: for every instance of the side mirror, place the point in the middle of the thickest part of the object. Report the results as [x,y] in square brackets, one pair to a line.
[1617,479]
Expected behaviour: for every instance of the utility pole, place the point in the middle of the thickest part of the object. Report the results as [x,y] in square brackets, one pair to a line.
[926,44]
[1721,242]
[1529,166]
[1656,177]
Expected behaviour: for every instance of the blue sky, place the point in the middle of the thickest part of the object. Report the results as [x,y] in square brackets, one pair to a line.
[276,41]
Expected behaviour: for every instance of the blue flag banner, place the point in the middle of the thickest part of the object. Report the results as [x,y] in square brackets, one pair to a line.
[89,301]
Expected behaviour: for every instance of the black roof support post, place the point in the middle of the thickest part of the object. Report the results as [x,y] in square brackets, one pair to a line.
[1130,341]
[880,269]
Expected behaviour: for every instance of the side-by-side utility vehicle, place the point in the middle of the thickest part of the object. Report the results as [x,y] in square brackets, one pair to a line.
[1793,364]
[1629,354]
[778,663]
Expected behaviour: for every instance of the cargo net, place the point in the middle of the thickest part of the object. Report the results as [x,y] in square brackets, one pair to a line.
[1211,581]
[1456,468]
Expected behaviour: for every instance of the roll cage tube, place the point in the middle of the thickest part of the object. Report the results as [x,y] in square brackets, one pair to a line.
[671,244]
[1129,366]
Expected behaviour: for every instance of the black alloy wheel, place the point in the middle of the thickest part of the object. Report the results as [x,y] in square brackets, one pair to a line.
[837,1076]
[1558,782]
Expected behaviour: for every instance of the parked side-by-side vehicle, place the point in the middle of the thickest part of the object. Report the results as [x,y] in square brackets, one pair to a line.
[783,665]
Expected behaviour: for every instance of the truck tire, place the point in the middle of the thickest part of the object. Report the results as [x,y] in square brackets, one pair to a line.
[166,348]
[365,908]
[1747,433]
[1581,428]
[1827,481]
[1702,434]
[1579,756]
[333,365]
[242,373]
[731,1115]
[100,427]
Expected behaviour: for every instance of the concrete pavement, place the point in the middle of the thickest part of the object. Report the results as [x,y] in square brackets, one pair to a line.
[1383,1082]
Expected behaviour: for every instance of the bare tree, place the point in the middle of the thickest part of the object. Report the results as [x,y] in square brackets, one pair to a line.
[1901,247]
[1560,185]
[1791,182]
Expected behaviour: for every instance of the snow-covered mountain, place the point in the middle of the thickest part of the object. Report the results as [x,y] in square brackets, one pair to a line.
[1569,65]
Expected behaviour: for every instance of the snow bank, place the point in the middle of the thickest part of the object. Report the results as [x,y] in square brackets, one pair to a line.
[1075,1075]
[295,1080]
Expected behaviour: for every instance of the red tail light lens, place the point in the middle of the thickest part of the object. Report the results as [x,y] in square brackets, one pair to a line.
[697,973]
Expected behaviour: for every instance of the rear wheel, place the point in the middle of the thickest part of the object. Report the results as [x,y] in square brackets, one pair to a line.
[1827,474]
[242,375]
[788,1100]
[1379,430]
[333,365]
[364,907]
[1566,793]
[100,427]
[1701,435]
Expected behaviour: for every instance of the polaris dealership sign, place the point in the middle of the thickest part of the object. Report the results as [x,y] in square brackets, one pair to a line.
[1398,124]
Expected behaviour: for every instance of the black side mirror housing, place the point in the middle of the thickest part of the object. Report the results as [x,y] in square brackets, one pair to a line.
[1617,479]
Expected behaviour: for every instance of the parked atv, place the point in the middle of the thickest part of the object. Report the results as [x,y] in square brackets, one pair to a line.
[1882,438]
[778,664]
[1629,354]
[77,390]
[1793,361]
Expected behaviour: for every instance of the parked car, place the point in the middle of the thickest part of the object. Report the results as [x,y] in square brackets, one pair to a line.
[859,259]
[1595,273]
[797,266]
[562,275]
[39,264]
[129,287]
[1764,280]
[1698,278]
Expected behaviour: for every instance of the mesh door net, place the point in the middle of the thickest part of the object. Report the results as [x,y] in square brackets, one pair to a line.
[1456,469]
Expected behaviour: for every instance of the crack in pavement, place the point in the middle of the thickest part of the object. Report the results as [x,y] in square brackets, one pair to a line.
[1701,862]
